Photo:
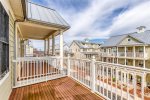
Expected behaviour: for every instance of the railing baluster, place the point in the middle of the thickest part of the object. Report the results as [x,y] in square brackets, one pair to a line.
[116,78]
[111,76]
[103,81]
[134,79]
[128,85]
[121,82]
[142,86]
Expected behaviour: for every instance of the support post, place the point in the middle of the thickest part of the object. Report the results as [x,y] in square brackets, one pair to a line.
[53,44]
[144,50]
[68,65]
[48,47]
[93,74]
[44,47]
[61,50]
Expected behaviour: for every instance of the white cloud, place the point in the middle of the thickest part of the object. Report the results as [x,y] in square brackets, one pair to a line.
[85,22]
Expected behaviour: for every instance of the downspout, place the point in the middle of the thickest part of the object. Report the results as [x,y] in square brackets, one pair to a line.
[15,31]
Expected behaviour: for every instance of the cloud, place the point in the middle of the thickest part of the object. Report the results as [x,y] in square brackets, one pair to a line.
[96,19]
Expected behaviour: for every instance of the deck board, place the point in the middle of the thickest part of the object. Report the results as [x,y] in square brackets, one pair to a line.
[59,89]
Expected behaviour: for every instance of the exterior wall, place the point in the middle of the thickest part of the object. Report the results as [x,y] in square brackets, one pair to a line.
[6,82]
[128,41]
[76,50]
[148,51]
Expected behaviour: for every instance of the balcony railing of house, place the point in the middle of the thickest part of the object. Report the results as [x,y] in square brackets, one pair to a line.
[121,54]
[112,81]
[108,54]
[139,54]
[130,54]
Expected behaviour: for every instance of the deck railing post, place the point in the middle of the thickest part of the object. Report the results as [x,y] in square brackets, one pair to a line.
[68,67]
[93,73]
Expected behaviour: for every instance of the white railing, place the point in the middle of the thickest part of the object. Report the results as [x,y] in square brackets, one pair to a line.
[139,54]
[112,81]
[130,54]
[109,54]
[121,54]
[30,70]
[80,70]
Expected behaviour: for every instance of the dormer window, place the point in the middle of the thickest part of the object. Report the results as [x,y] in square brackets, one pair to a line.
[129,39]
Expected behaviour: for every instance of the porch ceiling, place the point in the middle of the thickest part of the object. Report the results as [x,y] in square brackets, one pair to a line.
[36,31]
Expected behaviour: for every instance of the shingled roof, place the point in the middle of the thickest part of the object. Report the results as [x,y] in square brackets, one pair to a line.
[81,44]
[143,37]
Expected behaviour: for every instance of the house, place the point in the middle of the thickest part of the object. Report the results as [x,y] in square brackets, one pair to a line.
[28,49]
[41,78]
[57,49]
[84,49]
[131,49]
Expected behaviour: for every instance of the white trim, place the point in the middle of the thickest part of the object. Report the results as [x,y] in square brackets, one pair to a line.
[4,78]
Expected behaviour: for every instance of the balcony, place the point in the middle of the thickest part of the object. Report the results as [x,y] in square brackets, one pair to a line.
[121,54]
[139,54]
[130,54]
[105,54]
[109,81]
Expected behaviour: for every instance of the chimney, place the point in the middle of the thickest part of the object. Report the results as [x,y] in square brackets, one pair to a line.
[140,29]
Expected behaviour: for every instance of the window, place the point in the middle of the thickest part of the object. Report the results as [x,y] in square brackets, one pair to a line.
[4,42]
[129,40]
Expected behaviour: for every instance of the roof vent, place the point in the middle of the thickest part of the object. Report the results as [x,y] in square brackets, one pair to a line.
[86,40]
[140,29]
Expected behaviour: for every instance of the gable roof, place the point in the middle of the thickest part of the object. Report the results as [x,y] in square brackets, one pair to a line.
[81,44]
[115,40]
[45,15]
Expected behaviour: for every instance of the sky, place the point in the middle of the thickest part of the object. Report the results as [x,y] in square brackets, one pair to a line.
[99,19]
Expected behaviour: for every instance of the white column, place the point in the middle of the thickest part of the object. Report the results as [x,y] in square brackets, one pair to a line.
[117,55]
[48,46]
[93,74]
[144,50]
[44,47]
[16,43]
[125,51]
[134,62]
[68,73]
[61,49]
[144,64]
[144,56]
[134,51]
[53,44]
[125,77]
[125,54]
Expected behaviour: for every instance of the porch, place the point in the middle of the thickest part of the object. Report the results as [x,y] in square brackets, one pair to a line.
[58,89]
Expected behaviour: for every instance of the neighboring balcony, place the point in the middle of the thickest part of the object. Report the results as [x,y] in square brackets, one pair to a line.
[130,54]
[121,54]
[105,54]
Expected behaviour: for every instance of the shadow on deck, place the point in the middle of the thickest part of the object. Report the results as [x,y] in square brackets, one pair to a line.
[58,89]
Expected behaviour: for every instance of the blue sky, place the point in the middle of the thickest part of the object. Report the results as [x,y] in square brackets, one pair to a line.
[100,19]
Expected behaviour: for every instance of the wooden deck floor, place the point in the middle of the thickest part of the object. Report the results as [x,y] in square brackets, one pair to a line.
[59,89]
